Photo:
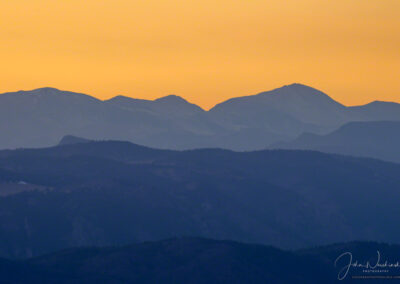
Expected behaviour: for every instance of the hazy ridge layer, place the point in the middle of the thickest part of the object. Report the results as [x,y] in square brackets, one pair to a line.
[40,118]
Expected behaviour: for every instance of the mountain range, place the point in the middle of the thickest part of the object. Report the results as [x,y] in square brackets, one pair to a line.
[290,169]
[40,118]
[201,261]
[85,193]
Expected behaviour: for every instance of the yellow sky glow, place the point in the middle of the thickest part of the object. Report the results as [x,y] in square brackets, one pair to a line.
[205,51]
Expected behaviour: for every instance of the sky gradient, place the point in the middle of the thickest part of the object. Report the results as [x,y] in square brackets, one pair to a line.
[205,51]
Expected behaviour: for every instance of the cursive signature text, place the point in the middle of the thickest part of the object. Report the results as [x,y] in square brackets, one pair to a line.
[347,258]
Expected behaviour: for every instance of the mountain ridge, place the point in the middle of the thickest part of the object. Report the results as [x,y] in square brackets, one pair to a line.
[113,192]
[59,91]
[197,261]
[376,139]
[40,118]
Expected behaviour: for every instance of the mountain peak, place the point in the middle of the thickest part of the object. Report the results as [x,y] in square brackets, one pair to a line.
[119,97]
[125,99]
[295,89]
[46,89]
[48,93]
[174,102]
[172,99]
[296,101]
[382,103]
[298,87]
[70,139]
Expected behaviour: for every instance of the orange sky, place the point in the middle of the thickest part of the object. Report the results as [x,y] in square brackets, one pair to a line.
[205,51]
